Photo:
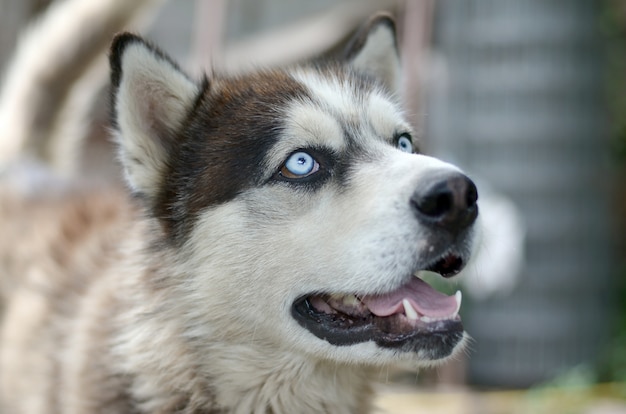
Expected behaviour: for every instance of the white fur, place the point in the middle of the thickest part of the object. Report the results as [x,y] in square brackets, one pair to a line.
[152,101]
[374,110]
[307,125]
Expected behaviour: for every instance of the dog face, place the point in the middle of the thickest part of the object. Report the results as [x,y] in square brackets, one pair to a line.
[296,203]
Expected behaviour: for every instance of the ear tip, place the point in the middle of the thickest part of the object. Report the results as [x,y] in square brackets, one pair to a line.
[119,44]
[382,18]
[378,20]
[121,41]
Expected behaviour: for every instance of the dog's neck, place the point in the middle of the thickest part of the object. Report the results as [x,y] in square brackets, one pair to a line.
[286,383]
[228,377]
[246,378]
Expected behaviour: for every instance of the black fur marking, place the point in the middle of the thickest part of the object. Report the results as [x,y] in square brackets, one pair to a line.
[223,147]
[220,148]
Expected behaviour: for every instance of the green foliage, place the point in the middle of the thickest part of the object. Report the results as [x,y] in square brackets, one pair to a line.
[613,25]
[613,364]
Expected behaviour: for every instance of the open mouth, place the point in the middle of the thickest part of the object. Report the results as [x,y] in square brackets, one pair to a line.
[413,318]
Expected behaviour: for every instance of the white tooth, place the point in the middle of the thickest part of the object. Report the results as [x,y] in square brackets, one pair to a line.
[459,296]
[426,319]
[350,300]
[411,313]
[421,274]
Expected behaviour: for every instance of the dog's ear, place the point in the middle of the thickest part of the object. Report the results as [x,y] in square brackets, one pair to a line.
[373,50]
[151,98]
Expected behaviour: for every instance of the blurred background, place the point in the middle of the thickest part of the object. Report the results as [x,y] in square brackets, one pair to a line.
[527,96]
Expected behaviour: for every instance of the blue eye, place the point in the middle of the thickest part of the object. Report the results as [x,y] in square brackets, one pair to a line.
[405,144]
[299,165]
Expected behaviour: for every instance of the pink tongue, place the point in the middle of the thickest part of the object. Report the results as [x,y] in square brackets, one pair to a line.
[426,300]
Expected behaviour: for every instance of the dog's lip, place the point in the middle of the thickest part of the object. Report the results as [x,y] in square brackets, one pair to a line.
[436,337]
[414,317]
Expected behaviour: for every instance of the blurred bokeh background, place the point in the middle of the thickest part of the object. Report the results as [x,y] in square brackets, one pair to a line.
[529,97]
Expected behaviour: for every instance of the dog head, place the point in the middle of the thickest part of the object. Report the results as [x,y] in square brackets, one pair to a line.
[296,201]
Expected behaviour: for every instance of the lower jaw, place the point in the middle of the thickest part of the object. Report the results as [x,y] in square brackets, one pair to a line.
[430,341]
[431,346]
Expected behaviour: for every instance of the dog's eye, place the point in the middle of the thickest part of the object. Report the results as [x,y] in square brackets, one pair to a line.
[299,165]
[405,144]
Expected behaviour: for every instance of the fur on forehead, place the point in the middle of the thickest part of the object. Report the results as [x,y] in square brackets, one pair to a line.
[343,109]
[243,128]
[187,145]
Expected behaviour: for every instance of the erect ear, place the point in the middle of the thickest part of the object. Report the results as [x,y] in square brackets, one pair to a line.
[151,98]
[373,50]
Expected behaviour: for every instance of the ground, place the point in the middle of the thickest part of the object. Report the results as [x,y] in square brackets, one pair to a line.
[601,399]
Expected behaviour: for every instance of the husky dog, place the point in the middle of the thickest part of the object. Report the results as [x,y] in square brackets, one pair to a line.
[265,259]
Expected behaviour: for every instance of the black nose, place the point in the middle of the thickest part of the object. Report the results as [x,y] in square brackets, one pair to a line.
[448,202]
